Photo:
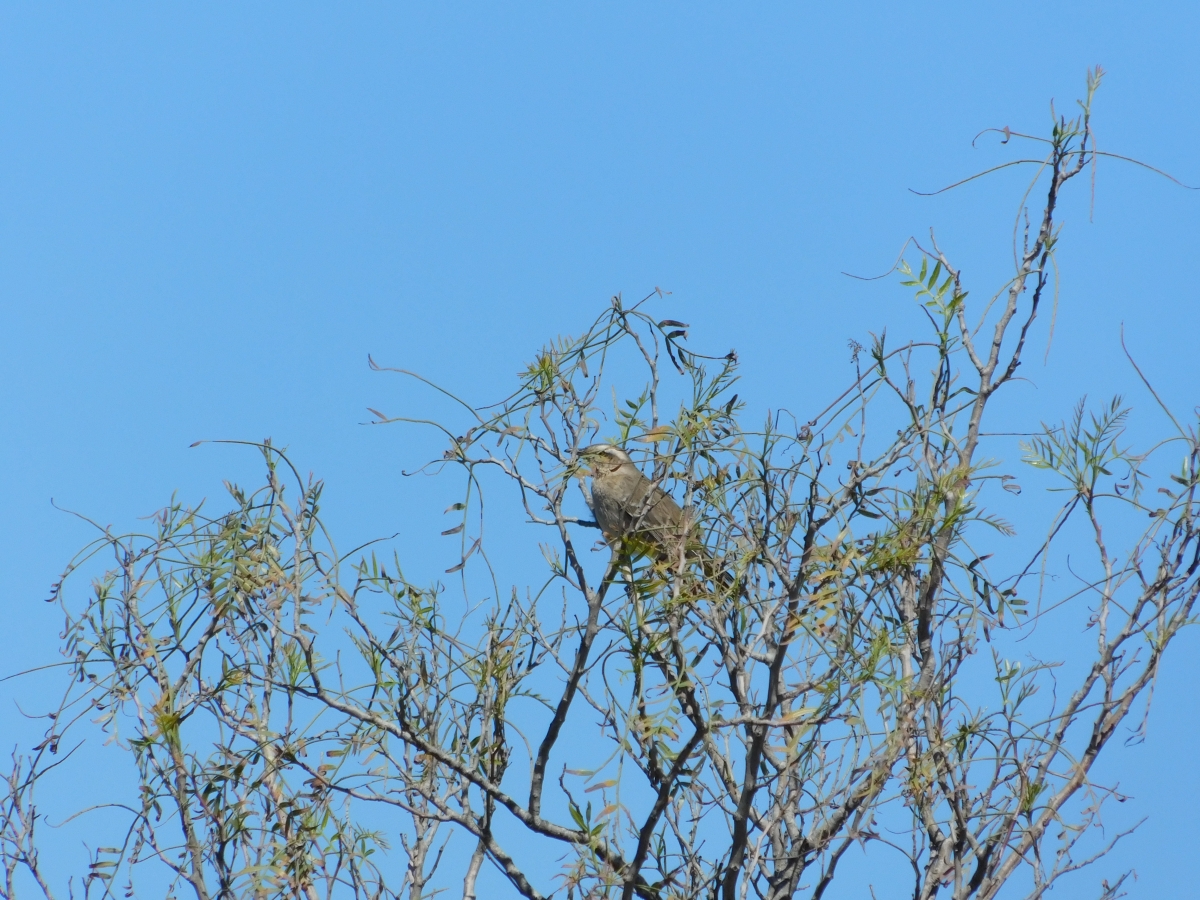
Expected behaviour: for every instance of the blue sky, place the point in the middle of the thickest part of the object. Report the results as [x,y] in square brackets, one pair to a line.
[210,215]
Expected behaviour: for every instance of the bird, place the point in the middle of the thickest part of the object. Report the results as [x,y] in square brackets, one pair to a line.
[634,514]
[639,518]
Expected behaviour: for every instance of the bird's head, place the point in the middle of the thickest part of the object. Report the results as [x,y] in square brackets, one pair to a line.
[604,458]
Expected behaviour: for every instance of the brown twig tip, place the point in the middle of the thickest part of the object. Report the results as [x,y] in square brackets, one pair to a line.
[970,178]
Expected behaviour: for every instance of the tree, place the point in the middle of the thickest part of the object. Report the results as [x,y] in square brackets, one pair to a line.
[824,663]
